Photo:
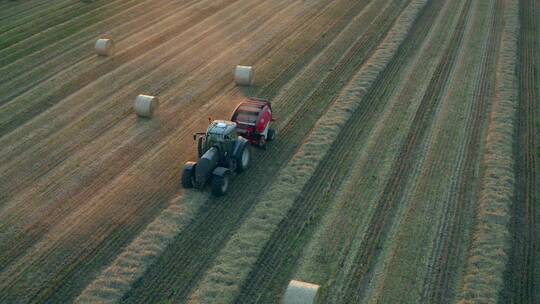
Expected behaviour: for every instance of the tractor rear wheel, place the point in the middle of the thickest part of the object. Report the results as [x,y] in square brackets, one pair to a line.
[188,175]
[220,184]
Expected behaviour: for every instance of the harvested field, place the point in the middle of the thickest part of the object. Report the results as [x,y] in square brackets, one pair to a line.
[405,168]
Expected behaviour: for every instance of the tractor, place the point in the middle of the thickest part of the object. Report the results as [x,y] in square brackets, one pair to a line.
[222,153]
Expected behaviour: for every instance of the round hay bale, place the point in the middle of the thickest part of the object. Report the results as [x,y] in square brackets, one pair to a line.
[145,105]
[301,293]
[243,75]
[105,47]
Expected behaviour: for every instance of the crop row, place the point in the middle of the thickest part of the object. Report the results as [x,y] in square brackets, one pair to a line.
[488,253]
[238,256]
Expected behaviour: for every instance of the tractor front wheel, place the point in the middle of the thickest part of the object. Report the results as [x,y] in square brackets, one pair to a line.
[220,184]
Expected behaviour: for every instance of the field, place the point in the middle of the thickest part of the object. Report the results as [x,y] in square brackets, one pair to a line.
[406,167]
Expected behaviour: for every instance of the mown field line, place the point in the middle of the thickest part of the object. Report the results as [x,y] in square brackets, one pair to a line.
[54,214]
[25,141]
[347,261]
[273,267]
[77,49]
[20,110]
[108,138]
[287,136]
[30,55]
[101,108]
[123,155]
[488,253]
[53,33]
[446,254]
[232,266]
[278,16]
[35,25]
[28,13]
[524,276]
[96,153]
[13,10]
[427,204]
[116,279]
[198,235]
[275,261]
[381,219]
[523,279]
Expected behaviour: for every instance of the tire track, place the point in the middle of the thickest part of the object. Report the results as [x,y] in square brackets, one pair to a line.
[39,66]
[324,244]
[158,200]
[24,13]
[424,204]
[276,262]
[55,40]
[300,46]
[13,114]
[13,10]
[85,117]
[53,33]
[227,271]
[69,200]
[128,153]
[143,144]
[522,278]
[384,210]
[190,107]
[207,230]
[447,253]
[33,25]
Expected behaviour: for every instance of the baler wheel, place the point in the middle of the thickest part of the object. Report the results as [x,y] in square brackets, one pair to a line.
[271,134]
[242,163]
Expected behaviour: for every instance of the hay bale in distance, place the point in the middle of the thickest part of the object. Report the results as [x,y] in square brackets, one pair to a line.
[104,47]
[243,75]
[301,293]
[145,105]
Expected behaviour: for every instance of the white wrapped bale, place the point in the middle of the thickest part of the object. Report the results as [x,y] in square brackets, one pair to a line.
[243,75]
[104,47]
[145,105]
[301,293]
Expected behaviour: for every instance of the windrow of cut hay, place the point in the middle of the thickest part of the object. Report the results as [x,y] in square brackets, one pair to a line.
[113,282]
[488,254]
[327,257]
[221,284]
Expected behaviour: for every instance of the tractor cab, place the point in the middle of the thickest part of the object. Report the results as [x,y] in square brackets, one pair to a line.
[221,131]
[220,134]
